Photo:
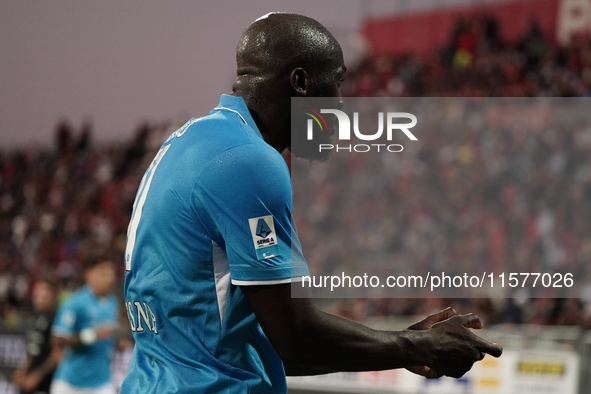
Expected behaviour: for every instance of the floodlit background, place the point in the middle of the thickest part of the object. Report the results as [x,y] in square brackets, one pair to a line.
[89,90]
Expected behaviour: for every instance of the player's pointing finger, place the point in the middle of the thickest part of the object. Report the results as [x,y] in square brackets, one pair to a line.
[494,349]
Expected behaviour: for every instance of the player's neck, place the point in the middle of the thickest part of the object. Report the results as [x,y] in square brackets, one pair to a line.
[255,112]
[97,294]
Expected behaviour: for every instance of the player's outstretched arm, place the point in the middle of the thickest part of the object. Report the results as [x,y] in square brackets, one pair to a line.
[310,341]
[85,337]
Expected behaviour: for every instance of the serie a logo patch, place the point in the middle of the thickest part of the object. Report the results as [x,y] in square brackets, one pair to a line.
[264,237]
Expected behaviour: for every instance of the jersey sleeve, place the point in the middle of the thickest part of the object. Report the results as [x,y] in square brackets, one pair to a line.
[67,321]
[245,196]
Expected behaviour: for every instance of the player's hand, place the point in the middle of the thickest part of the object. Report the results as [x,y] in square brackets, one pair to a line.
[31,381]
[18,377]
[456,348]
[426,324]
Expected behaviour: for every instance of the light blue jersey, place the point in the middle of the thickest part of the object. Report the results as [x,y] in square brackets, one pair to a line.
[85,366]
[212,213]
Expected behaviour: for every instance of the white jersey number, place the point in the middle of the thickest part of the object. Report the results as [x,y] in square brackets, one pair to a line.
[138,205]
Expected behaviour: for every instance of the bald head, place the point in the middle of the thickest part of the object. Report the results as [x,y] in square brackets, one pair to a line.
[277,43]
[280,56]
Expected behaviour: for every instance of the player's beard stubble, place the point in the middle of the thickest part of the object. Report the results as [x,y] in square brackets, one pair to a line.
[310,149]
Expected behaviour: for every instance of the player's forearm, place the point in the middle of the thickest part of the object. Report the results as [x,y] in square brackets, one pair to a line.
[21,371]
[331,343]
[298,370]
[87,336]
[72,341]
[61,342]
[306,337]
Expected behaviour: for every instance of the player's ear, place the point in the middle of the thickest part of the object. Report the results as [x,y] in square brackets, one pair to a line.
[298,80]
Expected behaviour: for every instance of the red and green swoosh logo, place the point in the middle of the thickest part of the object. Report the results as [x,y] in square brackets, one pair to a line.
[315,116]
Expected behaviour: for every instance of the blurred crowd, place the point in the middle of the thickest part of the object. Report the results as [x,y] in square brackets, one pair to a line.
[59,205]
[491,186]
[474,196]
[477,62]
[491,197]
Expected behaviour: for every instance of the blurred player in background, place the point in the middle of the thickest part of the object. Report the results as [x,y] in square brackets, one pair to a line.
[83,327]
[212,250]
[35,373]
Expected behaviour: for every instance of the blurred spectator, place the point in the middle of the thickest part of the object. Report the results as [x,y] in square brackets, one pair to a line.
[63,135]
[83,144]
[36,371]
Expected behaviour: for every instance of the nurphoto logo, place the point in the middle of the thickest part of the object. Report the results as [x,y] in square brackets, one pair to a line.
[393,123]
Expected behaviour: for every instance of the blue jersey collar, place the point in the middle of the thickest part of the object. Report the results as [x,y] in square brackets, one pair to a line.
[236,104]
[86,288]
